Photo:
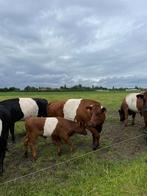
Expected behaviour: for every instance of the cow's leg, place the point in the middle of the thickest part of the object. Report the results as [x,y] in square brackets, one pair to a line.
[95,137]
[133,118]
[97,142]
[12,132]
[126,117]
[1,165]
[93,140]
[145,118]
[57,142]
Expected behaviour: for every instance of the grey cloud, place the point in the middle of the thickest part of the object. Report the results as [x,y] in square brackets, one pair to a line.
[50,43]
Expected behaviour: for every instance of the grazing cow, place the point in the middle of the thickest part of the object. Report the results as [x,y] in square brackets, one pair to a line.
[88,112]
[22,108]
[143,98]
[131,105]
[58,128]
[5,120]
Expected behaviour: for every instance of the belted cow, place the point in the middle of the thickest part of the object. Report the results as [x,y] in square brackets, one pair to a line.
[143,98]
[132,104]
[89,113]
[5,120]
[22,108]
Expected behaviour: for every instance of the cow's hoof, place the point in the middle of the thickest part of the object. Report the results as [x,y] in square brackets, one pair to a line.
[146,140]
[13,142]
[84,133]
[95,147]
[34,159]
[26,154]
[1,171]
[144,128]
[59,153]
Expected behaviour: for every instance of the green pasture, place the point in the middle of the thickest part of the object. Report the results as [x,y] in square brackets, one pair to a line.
[109,99]
[120,169]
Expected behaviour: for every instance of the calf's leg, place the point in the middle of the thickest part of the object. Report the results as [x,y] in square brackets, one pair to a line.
[57,141]
[32,144]
[67,141]
[26,146]
[33,149]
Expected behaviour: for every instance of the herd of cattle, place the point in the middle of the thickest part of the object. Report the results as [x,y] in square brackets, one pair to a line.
[61,119]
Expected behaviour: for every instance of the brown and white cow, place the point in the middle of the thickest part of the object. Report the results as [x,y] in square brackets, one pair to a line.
[131,105]
[89,113]
[58,128]
[143,98]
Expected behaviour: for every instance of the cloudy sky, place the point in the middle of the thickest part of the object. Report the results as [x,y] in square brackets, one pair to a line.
[57,42]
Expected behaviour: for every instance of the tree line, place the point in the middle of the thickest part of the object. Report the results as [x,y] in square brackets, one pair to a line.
[78,87]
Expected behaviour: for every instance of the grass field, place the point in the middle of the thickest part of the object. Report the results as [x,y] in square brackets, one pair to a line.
[119,169]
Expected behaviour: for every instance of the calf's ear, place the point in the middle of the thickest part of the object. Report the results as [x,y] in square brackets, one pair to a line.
[141,96]
[103,109]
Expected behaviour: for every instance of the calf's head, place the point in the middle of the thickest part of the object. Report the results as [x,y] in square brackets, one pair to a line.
[98,116]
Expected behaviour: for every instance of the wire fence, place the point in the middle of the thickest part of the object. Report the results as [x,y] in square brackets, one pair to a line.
[70,160]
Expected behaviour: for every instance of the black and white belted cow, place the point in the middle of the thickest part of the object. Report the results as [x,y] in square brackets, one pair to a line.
[22,108]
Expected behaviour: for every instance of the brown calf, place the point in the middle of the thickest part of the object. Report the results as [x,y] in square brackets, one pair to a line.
[88,112]
[58,128]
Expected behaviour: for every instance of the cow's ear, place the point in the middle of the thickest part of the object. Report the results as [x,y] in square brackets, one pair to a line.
[103,109]
[141,96]
[89,107]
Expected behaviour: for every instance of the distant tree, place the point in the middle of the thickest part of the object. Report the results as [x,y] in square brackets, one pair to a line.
[30,88]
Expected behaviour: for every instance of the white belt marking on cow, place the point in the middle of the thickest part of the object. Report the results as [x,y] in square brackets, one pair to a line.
[28,107]
[49,126]
[1,126]
[131,100]
[70,108]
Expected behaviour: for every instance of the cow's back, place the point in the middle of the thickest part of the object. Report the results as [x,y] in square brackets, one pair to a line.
[22,108]
[133,103]
[55,109]
[71,109]
[12,105]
